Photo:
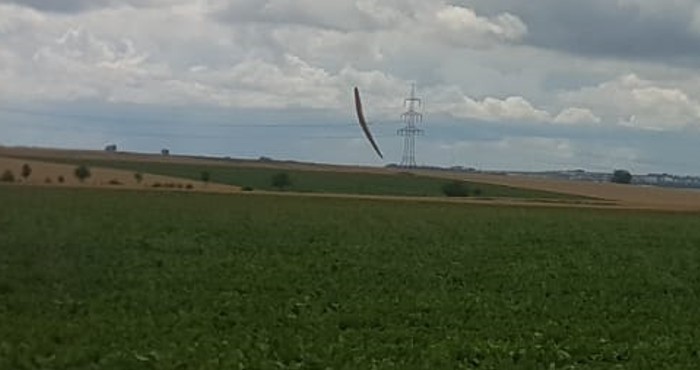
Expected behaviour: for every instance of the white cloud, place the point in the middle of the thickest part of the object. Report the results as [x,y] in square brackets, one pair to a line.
[452,101]
[462,25]
[173,53]
[576,116]
[652,105]
[511,108]
[14,19]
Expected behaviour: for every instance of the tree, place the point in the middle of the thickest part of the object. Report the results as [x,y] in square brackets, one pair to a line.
[281,180]
[205,176]
[7,176]
[621,177]
[138,176]
[82,173]
[455,189]
[26,171]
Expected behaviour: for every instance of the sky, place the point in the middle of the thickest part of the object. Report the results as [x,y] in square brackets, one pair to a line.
[507,84]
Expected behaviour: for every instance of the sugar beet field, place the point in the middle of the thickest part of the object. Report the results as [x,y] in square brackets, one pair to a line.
[147,280]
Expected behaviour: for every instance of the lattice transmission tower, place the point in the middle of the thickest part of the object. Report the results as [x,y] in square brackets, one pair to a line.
[411,118]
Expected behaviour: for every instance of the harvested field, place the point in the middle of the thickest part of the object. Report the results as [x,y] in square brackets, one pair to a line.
[627,196]
[48,174]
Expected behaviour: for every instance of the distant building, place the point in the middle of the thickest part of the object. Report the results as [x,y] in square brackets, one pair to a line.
[111,148]
[165,152]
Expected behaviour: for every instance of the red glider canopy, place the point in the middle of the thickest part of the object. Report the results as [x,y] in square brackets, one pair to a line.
[363,123]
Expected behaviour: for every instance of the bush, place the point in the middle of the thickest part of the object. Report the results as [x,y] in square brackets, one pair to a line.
[247,188]
[47,180]
[115,182]
[189,187]
[455,189]
[7,176]
[82,173]
[138,176]
[478,192]
[26,171]
[621,177]
[61,179]
[281,180]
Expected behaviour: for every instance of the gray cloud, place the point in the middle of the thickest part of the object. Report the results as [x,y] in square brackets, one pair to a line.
[338,15]
[651,29]
[489,100]
[74,6]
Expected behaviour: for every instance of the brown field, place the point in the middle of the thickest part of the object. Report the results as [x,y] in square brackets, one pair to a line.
[610,195]
[625,196]
[47,174]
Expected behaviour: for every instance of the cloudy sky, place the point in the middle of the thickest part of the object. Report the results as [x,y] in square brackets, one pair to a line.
[507,84]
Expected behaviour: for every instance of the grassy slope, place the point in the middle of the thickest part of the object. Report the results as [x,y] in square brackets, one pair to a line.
[117,280]
[323,181]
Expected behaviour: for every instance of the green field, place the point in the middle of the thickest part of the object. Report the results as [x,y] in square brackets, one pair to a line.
[259,178]
[129,280]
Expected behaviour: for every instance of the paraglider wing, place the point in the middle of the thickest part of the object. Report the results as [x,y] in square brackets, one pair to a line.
[363,123]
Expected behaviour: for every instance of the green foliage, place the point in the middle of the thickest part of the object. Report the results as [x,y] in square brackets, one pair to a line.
[7,176]
[621,177]
[205,176]
[247,188]
[138,176]
[61,179]
[26,171]
[166,281]
[82,172]
[455,189]
[281,180]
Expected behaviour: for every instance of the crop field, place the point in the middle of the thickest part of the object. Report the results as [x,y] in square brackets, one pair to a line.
[358,183]
[146,280]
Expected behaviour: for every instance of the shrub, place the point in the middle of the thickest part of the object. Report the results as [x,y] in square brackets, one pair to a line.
[47,180]
[138,176]
[205,176]
[621,177]
[189,187]
[281,180]
[82,172]
[7,176]
[478,192]
[61,179]
[455,189]
[247,188]
[115,182]
[26,171]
